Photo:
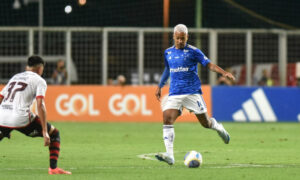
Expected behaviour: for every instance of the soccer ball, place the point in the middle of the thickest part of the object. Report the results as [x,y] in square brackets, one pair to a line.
[193,159]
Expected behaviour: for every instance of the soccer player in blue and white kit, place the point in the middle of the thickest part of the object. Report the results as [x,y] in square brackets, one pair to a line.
[185,89]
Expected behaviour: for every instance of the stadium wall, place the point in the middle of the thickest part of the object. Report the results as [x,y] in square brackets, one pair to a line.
[139,104]
[110,104]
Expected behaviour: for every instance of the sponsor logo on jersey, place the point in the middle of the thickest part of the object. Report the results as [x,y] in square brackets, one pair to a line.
[6,106]
[179,69]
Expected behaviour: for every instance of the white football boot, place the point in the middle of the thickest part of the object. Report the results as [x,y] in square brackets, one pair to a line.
[223,134]
[165,158]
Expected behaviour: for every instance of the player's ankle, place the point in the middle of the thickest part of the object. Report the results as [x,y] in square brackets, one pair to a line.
[170,155]
[214,124]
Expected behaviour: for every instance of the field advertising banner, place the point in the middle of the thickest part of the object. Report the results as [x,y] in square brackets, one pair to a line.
[110,104]
[256,104]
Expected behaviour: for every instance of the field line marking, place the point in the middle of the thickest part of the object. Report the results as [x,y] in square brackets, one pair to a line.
[146,156]
[149,156]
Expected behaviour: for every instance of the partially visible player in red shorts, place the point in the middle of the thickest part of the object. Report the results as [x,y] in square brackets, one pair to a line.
[15,101]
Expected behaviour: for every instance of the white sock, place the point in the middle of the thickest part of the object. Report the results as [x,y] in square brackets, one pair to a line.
[215,125]
[169,136]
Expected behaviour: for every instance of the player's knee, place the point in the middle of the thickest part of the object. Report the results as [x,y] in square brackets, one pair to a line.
[168,120]
[170,116]
[54,136]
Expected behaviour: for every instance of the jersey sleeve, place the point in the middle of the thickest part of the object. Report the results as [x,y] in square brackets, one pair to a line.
[166,73]
[200,57]
[41,89]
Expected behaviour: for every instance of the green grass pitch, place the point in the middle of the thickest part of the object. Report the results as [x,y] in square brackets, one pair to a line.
[125,151]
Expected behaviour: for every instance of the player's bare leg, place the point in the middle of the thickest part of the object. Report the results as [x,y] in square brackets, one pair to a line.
[207,122]
[169,117]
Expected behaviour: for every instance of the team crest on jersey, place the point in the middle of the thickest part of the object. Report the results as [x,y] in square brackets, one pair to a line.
[169,52]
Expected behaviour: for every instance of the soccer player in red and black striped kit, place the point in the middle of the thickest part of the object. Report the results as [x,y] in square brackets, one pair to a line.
[15,101]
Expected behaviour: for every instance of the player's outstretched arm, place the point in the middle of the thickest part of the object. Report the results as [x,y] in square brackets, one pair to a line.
[216,68]
[42,115]
[163,80]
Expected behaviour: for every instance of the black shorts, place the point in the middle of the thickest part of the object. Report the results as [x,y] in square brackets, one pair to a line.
[34,129]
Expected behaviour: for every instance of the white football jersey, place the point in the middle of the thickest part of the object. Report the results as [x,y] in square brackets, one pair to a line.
[18,95]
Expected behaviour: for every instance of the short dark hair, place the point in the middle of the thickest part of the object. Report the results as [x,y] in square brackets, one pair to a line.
[35,60]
